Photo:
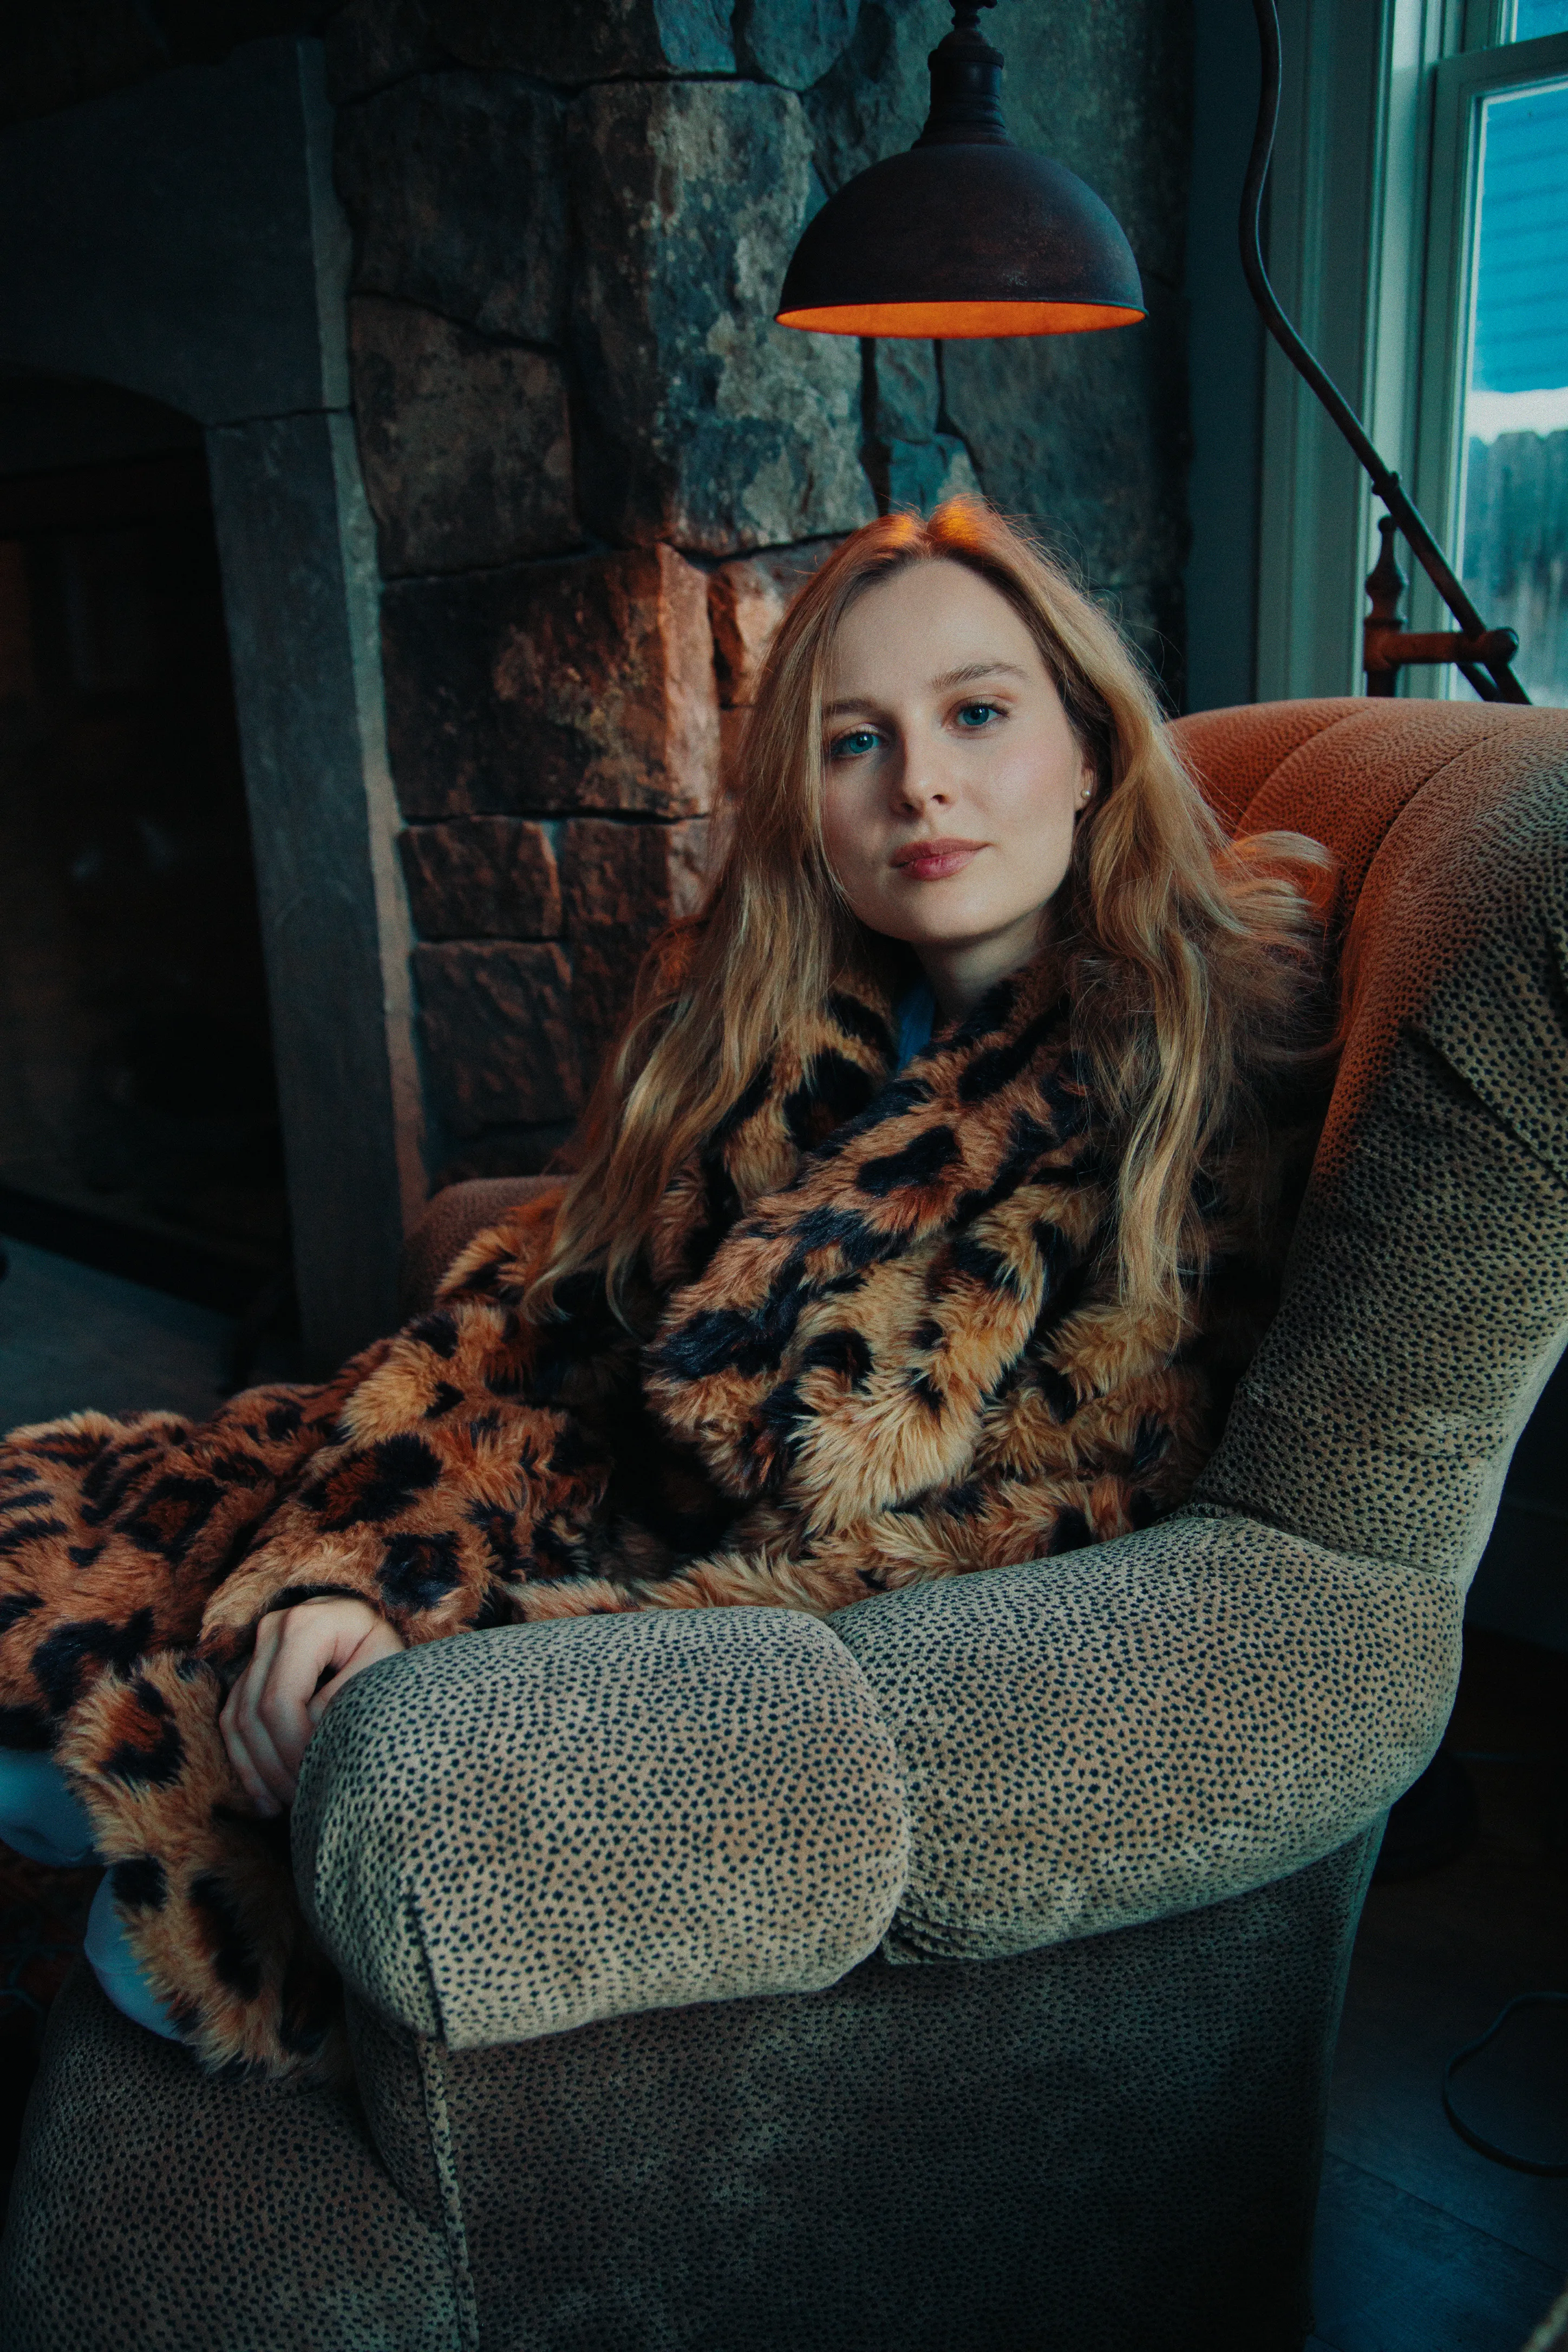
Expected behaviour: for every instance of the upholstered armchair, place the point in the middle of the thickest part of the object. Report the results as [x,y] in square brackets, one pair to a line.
[964,1972]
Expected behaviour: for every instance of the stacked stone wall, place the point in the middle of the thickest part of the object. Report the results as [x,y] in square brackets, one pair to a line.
[597,468]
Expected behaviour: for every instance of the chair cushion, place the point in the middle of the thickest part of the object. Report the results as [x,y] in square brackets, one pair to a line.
[154,2206]
[511,1833]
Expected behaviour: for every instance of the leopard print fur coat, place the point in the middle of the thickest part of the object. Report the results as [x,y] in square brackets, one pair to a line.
[881,1341]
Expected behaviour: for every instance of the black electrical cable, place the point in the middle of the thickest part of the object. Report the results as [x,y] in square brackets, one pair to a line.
[1473,2138]
[1502,686]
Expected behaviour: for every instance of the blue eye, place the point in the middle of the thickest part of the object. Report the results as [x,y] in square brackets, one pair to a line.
[854,745]
[973,716]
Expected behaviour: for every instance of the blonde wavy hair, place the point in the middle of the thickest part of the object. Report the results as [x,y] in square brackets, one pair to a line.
[1187,955]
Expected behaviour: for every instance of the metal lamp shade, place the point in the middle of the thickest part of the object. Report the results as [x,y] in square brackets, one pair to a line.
[956,240]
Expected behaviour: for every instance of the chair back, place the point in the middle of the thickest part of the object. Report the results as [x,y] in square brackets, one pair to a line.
[1426,1297]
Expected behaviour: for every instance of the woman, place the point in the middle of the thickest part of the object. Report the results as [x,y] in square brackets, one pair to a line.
[922,1220]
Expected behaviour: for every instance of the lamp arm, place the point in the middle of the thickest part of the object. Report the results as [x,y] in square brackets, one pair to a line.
[1384,480]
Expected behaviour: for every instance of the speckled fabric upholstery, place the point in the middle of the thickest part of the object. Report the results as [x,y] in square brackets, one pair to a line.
[1427,1296]
[1108,2144]
[1144,1726]
[158,2210]
[1142,1783]
[668,1808]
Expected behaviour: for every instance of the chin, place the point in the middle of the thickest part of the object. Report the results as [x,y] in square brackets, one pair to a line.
[953,926]
[937,912]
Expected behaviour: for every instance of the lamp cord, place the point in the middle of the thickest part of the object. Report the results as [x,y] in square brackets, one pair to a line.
[1502,686]
[1473,2138]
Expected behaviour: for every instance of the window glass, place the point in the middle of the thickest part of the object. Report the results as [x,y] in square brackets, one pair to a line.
[1532,18]
[1514,432]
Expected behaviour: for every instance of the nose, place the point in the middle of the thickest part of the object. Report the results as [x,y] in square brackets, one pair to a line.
[920,783]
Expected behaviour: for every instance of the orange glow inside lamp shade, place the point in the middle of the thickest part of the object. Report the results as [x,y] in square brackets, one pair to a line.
[954,322]
[964,235]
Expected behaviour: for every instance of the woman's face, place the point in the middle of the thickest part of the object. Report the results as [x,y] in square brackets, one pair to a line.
[951,777]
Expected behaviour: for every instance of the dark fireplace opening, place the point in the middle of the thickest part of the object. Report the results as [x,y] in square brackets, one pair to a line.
[139,1125]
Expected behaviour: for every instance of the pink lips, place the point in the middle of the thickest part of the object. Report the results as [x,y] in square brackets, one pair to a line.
[929,861]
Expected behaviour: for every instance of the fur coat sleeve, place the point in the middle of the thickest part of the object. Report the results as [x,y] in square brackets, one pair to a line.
[884,1344]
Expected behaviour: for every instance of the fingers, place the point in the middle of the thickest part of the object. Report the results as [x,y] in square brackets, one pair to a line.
[380,1641]
[269,1716]
[262,1773]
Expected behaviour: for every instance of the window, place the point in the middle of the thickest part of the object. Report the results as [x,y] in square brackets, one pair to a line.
[1417,232]
[1492,470]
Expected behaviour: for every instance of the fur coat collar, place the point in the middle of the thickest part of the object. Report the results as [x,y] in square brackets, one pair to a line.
[882,1343]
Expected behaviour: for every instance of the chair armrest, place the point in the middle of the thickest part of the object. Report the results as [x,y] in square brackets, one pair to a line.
[515,1832]
[1146,1725]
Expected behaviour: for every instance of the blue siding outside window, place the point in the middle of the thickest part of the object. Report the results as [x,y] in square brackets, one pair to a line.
[1534,19]
[1521,259]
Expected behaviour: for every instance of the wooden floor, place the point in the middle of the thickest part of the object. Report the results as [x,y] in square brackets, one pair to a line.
[1423,2245]
[71,1336]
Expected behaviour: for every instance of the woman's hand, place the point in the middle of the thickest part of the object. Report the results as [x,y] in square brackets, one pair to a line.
[273,1709]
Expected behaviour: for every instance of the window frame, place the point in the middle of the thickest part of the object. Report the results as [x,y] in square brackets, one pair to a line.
[1363,212]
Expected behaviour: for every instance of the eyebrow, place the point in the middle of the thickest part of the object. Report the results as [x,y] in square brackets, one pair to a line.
[948,677]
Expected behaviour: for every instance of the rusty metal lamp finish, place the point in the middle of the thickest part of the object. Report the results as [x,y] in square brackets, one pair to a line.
[965,234]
